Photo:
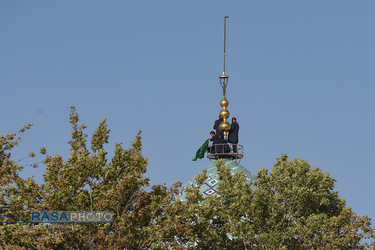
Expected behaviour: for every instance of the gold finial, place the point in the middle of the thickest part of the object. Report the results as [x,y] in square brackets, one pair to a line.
[224,113]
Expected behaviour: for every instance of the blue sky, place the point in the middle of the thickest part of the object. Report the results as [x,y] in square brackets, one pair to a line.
[301,81]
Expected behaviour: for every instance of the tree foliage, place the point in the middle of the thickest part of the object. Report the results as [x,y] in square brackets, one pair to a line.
[88,181]
[293,206]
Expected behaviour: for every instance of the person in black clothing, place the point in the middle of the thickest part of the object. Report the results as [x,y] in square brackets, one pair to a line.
[211,148]
[214,147]
[233,134]
[219,134]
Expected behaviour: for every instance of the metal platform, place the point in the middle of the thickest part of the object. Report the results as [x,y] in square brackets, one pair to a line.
[225,151]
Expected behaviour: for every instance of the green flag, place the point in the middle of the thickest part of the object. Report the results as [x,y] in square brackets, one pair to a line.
[200,152]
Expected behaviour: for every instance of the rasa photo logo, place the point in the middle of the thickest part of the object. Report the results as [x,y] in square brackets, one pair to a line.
[72,217]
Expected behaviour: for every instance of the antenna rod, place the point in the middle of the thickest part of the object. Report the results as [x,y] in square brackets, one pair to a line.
[225,38]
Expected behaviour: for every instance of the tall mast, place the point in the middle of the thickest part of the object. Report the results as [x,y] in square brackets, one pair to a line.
[224,113]
[225,39]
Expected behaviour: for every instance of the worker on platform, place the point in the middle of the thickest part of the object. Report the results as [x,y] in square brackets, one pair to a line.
[211,148]
[219,133]
[233,134]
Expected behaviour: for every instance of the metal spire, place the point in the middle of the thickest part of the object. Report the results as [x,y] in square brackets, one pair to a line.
[225,39]
[224,113]
[224,77]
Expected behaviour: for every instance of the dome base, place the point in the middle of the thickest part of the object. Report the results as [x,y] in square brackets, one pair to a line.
[210,185]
